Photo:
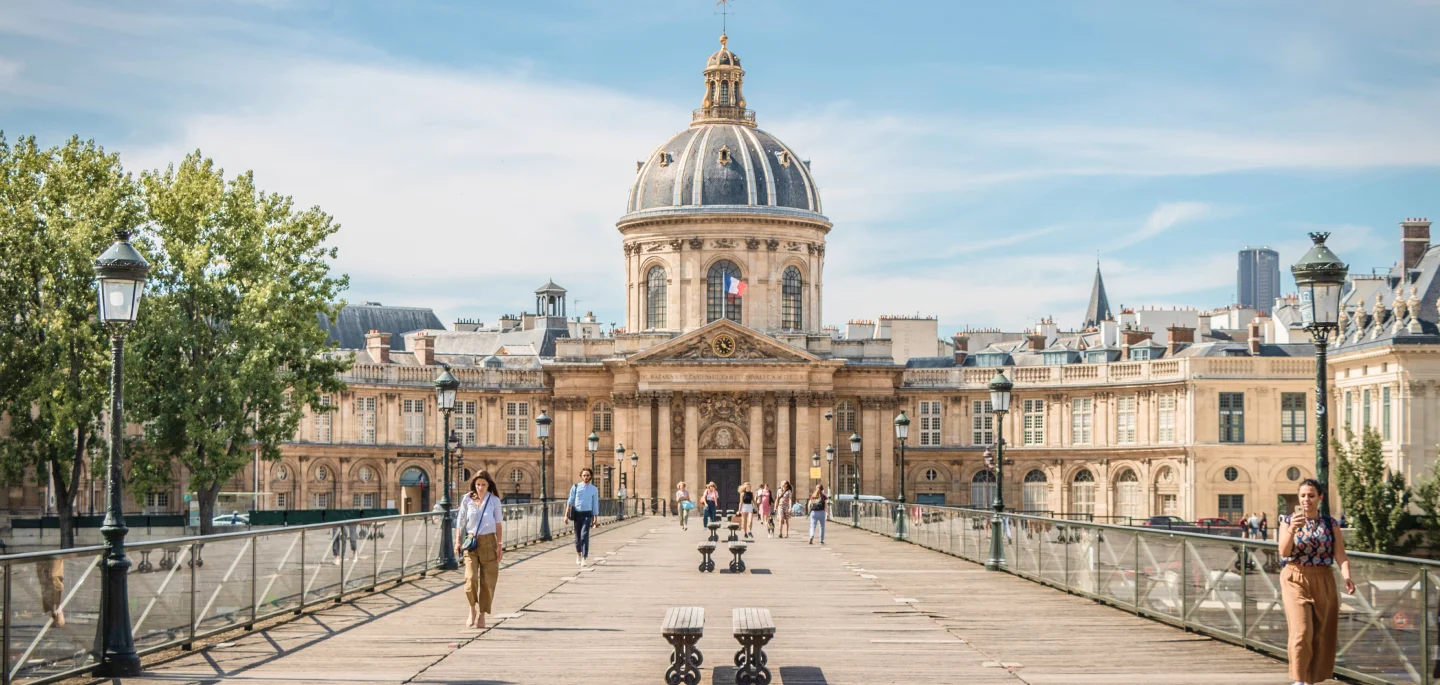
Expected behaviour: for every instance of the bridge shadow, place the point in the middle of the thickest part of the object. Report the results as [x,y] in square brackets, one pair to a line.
[784,675]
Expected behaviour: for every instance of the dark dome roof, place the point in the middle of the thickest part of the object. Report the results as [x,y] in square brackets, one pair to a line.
[711,167]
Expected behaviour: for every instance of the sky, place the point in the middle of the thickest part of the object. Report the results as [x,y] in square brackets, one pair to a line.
[976,159]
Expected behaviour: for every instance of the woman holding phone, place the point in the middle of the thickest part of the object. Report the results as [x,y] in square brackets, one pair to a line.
[479,539]
[1311,545]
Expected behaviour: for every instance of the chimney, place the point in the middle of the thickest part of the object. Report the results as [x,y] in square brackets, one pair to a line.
[1109,333]
[1179,335]
[424,349]
[378,345]
[962,347]
[1254,338]
[1037,341]
[1134,336]
[1414,240]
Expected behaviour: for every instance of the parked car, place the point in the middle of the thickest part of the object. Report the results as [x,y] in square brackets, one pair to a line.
[233,519]
[1215,521]
[1164,521]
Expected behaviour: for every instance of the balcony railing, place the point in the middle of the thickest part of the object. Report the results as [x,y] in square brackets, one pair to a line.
[390,374]
[1224,587]
[725,113]
[1116,372]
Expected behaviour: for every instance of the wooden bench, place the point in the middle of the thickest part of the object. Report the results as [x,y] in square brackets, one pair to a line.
[707,563]
[683,627]
[714,527]
[753,629]
[733,527]
[737,548]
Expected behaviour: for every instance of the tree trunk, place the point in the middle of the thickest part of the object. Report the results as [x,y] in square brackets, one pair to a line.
[207,507]
[65,498]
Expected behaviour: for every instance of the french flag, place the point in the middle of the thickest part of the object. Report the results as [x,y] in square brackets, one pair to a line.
[734,286]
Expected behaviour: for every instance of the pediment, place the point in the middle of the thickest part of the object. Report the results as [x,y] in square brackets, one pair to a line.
[710,342]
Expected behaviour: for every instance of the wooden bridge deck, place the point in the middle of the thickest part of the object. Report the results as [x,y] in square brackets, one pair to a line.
[861,609]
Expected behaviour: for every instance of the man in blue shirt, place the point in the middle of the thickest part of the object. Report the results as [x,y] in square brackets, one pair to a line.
[581,507]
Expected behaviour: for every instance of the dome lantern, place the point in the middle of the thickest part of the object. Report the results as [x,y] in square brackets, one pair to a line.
[724,101]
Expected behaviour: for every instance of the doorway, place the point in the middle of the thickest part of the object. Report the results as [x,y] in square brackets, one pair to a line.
[725,474]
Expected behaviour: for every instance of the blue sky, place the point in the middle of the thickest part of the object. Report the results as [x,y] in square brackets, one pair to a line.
[975,158]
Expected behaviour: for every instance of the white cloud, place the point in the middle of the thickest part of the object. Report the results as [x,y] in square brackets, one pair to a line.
[1165,217]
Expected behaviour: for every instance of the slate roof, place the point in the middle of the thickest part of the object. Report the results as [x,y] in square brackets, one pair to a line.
[355,320]
[1099,307]
[1417,328]
[762,174]
[537,341]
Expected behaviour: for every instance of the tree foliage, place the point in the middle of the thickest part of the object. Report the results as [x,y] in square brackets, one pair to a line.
[1375,501]
[228,350]
[1427,500]
[59,209]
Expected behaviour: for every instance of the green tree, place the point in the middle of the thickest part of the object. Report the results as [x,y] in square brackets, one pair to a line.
[1427,500]
[229,348]
[1375,501]
[59,209]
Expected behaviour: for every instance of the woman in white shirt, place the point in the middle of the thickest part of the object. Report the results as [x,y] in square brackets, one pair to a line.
[479,520]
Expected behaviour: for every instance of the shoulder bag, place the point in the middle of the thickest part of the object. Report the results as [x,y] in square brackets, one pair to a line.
[472,540]
[569,511]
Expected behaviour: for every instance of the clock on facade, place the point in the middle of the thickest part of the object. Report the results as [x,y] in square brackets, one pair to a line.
[724,345]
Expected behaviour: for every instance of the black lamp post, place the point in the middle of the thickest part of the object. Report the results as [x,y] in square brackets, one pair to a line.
[634,474]
[445,386]
[542,429]
[855,506]
[121,272]
[902,432]
[593,443]
[1000,388]
[619,462]
[830,464]
[1320,276]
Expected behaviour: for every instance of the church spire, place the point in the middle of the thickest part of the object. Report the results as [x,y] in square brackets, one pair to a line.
[724,101]
[1099,309]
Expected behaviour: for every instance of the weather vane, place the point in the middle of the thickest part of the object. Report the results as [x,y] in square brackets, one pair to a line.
[724,6]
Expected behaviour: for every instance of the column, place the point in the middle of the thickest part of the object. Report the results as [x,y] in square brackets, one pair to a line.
[644,475]
[693,473]
[829,439]
[869,447]
[804,441]
[889,482]
[621,403]
[757,439]
[663,463]
[784,462]
[562,441]
[496,421]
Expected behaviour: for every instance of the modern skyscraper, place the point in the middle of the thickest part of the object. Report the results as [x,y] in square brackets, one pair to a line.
[1259,278]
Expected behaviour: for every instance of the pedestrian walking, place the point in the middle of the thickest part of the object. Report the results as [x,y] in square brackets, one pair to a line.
[479,540]
[763,495]
[816,505]
[338,537]
[1265,526]
[683,504]
[1311,544]
[747,509]
[783,504]
[580,507]
[50,573]
[1254,522]
[620,504]
[712,504]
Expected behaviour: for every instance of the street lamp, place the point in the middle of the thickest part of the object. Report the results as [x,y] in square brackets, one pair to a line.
[593,442]
[634,476]
[619,461]
[830,464]
[542,429]
[445,386]
[1320,276]
[902,432]
[1000,388]
[121,272]
[855,454]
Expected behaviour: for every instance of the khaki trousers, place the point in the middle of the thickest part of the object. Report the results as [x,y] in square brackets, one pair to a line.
[1312,610]
[482,572]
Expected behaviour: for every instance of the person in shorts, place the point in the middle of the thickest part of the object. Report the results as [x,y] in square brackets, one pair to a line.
[747,509]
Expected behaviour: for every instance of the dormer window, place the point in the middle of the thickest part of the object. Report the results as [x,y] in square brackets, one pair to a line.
[1139,354]
[663,158]
[1056,358]
[1097,357]
[990,360]
[724,155]
[784,156]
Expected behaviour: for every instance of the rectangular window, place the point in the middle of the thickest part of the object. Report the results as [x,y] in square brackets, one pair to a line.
[1166,413]
[1385,413]
[282,500]
[517,424]
[1232,507]
[930,424]
[1292,417]
[365,406]
[1365,408]
[464,421]
[1349,413]
[1034,417]
[414,413]
[362,500]
[982,423]
[1140,355]
[1169,505]
[322,500]
[1125,422]
[845,418]
[1080,420]
[1232,417]
[322,420]
[157,501]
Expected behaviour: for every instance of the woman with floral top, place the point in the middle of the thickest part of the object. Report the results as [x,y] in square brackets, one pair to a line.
[1312,545]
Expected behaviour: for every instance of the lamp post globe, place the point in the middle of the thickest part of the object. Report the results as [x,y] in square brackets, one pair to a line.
[121,273]
[1000,388]
[855,487]
[542,430]
[445,387]
[593,445]
[902,433]
[1320,277]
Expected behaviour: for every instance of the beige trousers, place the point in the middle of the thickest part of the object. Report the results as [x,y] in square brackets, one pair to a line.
[1312,610]
[482,572]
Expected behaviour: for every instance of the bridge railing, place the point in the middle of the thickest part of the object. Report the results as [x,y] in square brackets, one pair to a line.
[185,589]
[1225,587]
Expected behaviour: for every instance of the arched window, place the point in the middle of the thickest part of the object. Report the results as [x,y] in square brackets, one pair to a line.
[847,479]
[845,418]
[1082,493]
[601,417]
[724,93]
[717,303]
[1127,494]
[655,297]
[791,309]
[1037,492]
[982,488]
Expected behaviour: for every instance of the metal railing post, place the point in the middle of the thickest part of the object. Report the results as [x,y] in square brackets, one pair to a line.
[403,551]
[339,535]
[425,558]
[1136,571]
[1425,614]
[1065,540]
[1184,582]
[301,608]
[254,580]
[5,650]
[191,643]
[374,558]
[1244,592]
